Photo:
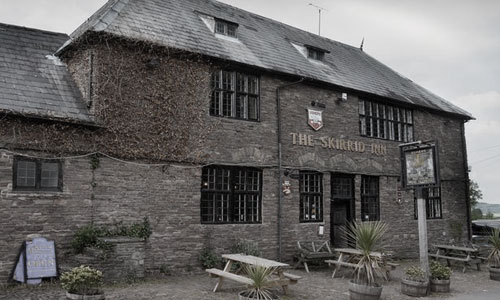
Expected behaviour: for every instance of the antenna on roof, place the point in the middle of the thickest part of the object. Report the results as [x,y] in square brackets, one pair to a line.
[362,43]
[319,12]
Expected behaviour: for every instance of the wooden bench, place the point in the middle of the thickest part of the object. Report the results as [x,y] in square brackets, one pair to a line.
[223,274]
[466,260]
[313,251]
[293,278]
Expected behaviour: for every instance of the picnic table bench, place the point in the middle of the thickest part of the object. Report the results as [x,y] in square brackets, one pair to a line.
[466,255]
[348,258]
[308,251]
[279,277]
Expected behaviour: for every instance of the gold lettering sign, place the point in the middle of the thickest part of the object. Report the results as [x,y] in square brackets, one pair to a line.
[309,140]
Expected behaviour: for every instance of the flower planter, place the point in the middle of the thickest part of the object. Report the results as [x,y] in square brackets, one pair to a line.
[414,288]
[243,296]
[70,296]
[440,286]
[494,273]
[364,292]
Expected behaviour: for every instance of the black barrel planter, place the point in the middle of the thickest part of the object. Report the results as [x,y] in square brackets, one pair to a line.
[440,286]
[364,292]
[414,288]
[494,273]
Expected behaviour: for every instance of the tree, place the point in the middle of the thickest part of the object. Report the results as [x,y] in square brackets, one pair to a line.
[476,214]
[475,194]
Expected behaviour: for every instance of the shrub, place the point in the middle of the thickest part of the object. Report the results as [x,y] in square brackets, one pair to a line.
[415,273]
[209,259]
[494,256]
[246,247]
[88,236]
[82,280]
[439,271]
[367,236]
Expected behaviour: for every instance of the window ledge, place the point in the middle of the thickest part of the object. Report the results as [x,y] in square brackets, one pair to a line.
[33,194]
[227,38]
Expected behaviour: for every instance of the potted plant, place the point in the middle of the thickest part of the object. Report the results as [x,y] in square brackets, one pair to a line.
[260,286]
[83,283]
[368,269]
[415,282]
[440,277]
[494,256]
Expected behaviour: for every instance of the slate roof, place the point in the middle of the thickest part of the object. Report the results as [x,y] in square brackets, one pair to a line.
[33,82]
[262,42]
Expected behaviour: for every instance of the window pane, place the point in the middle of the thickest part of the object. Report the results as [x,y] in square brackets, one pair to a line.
[361,107]
[240,106]
[26,174]
[253,87]
[227,104]
[219,27]
[253,108]
[369,198]
[230,195]
[49,175]
[231,30]
[311,196]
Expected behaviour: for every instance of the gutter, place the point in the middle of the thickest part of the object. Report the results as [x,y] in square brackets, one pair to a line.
[280,167]
[466,181]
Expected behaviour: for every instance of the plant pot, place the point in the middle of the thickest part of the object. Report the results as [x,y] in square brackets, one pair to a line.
[440,286]
[494,273]
[364,292]
[414,288]
[71,296]
[244,296]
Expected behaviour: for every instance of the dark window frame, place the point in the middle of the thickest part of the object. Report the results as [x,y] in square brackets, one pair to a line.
[431,201]
[226,28]
[38,175]
[231,192]
[370,199]
[305,213]
[235,95]
[385,121]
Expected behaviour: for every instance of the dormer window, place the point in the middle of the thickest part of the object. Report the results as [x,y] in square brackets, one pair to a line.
[315,53]
[225,28]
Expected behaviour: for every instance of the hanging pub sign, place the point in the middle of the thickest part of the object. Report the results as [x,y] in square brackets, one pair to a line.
[420,165]
[315,119]
[36,260]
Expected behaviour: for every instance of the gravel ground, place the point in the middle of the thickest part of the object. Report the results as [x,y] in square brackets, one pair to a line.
[317,285]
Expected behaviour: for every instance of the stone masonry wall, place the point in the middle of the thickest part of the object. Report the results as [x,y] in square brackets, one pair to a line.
[170,194]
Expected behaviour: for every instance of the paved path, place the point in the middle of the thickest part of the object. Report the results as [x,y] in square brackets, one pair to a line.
[317,285]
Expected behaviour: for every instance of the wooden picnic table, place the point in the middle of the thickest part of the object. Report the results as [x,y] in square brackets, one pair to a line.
[466,255]
[279,276]
[348,257]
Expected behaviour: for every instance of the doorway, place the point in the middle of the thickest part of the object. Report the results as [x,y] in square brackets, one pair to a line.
[342,208]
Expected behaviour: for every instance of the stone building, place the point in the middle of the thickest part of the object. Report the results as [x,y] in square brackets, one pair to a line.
[218,125]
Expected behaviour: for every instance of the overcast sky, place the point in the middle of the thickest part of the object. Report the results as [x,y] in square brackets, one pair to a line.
[451,47]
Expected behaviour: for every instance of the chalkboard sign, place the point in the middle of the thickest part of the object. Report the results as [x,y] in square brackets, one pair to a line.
[37,260]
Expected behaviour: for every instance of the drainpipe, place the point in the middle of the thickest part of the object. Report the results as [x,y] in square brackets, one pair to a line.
[466,179]
[280,177]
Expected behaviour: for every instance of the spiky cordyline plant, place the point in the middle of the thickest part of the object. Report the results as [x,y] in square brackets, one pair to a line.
[367,236]
[260,287]
[494,256]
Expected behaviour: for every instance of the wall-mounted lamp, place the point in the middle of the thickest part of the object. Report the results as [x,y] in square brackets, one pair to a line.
[342,98]
[318,104]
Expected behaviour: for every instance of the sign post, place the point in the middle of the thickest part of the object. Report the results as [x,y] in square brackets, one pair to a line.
[419,170]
